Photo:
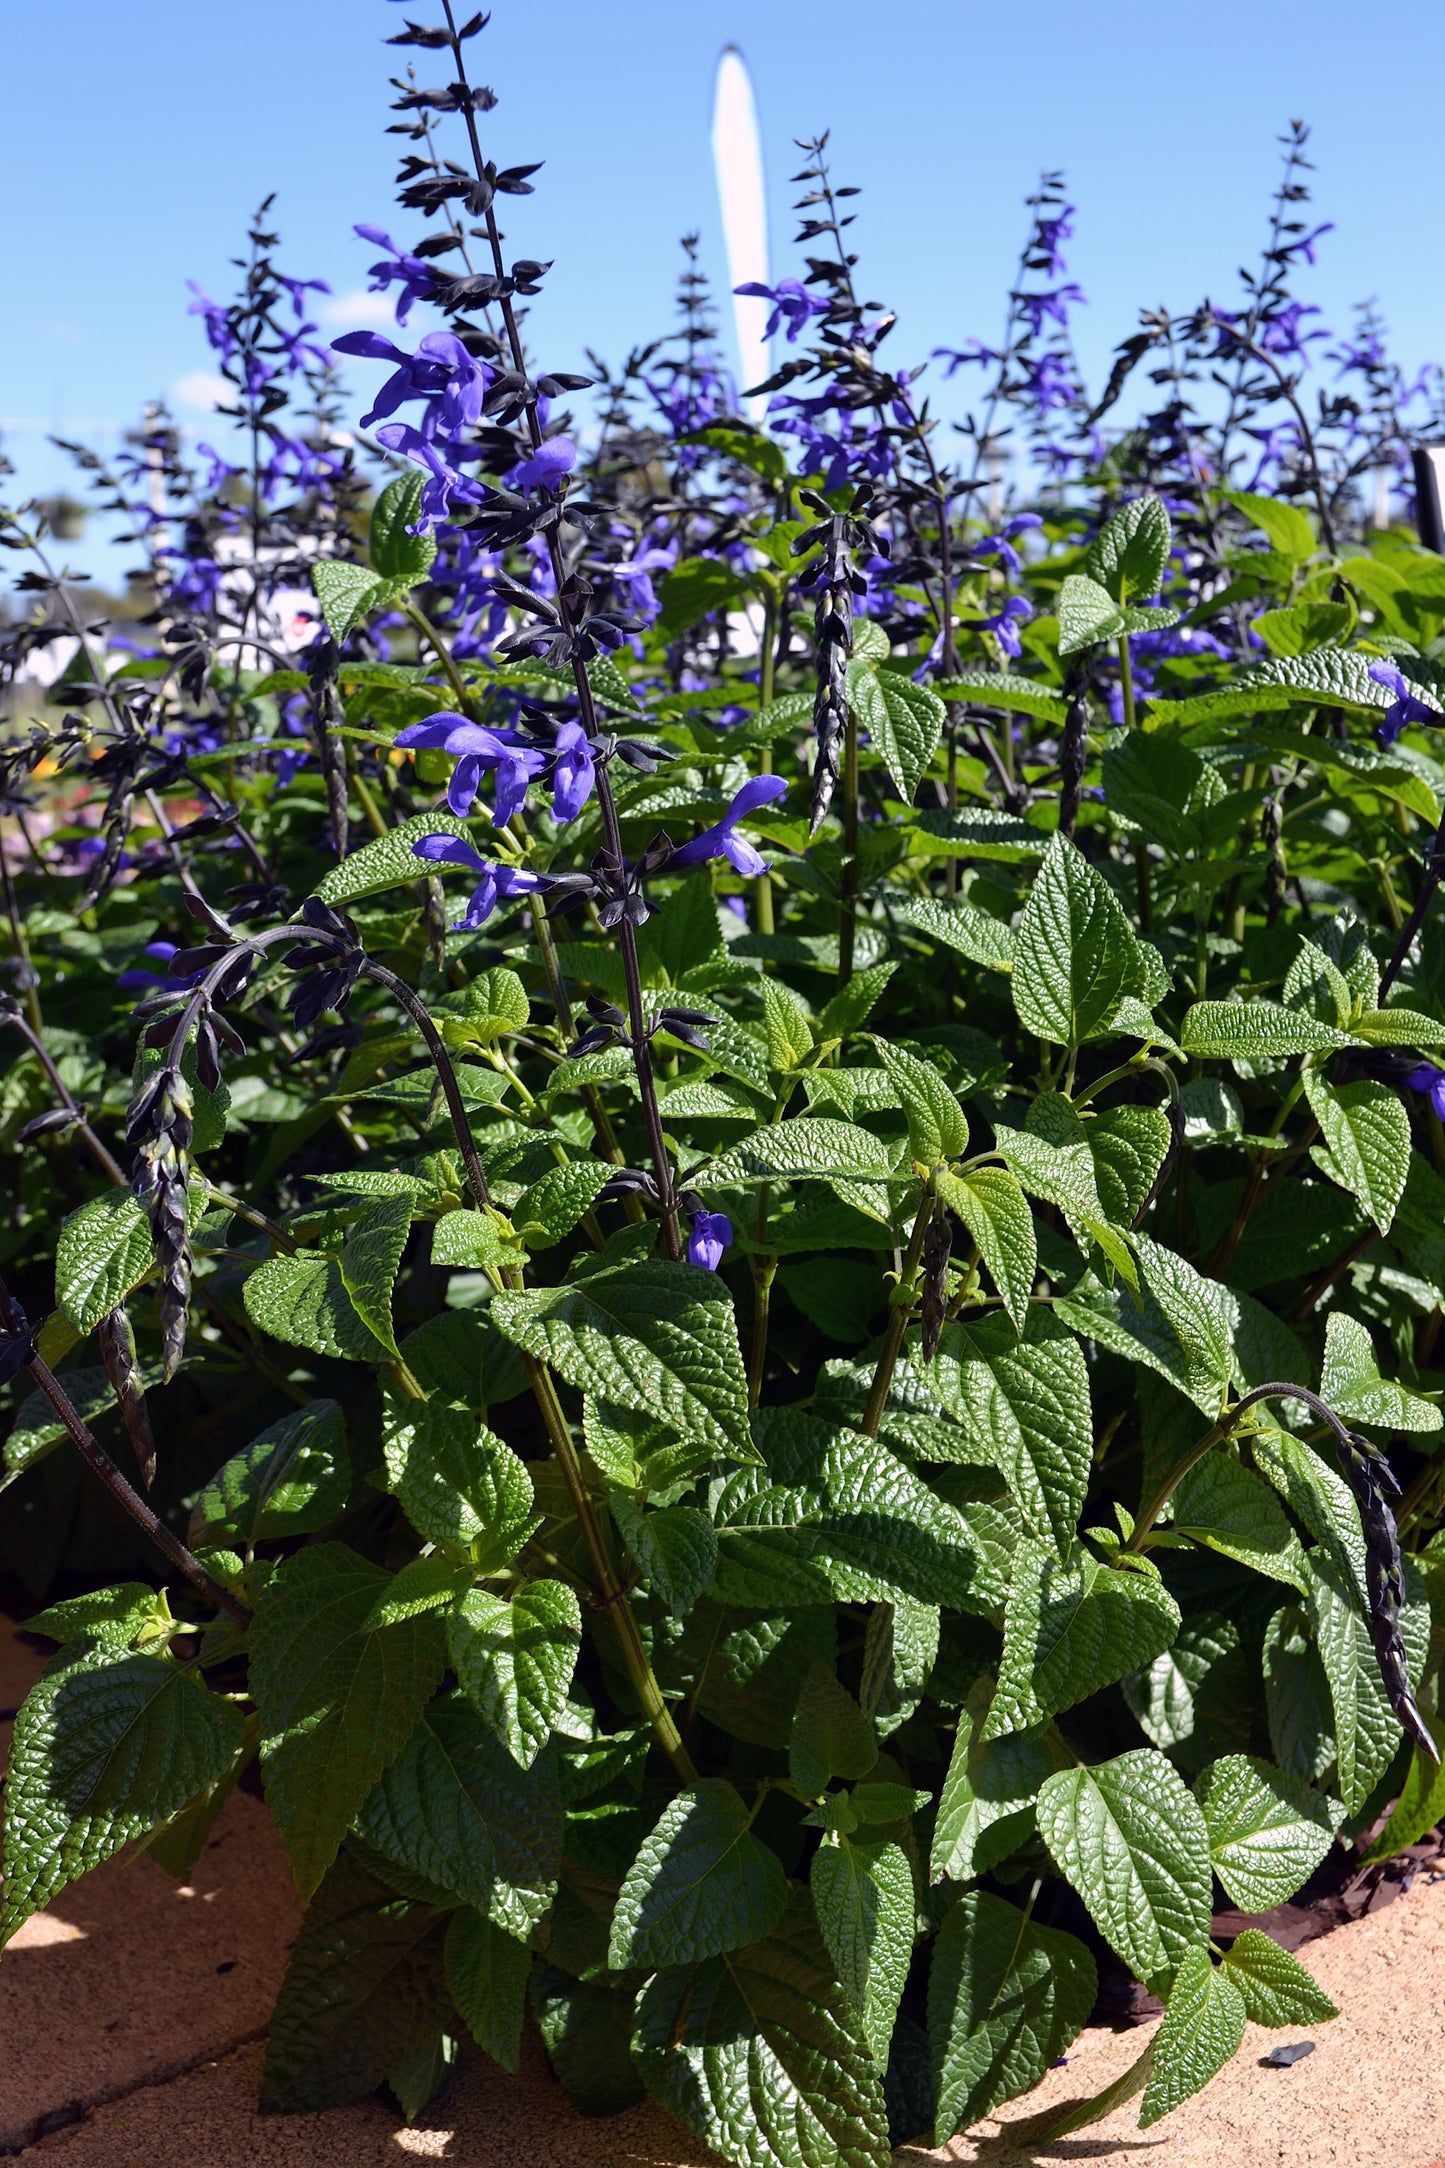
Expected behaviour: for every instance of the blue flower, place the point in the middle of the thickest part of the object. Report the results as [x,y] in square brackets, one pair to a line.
[476,750]
[417,279]
[545,467]
[710,1236]
[1003,623]
[573,773]
[722,841]
[441,371]
[164,952]
[790,299]
[444,486]
[1404,709]
[1430,1080]
[1000,545]
[496,882]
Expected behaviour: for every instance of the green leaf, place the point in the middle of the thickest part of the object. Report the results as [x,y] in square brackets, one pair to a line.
[673,1547]
[759,2056]
[837,1516]
[904,721]
[1367,1139]
[1175,1699]
[337,1698]
[1287,528]
[1297,1696]
[514,1660]
[1087,614]
[1128,555]
[364,1992]
[290,1481]
[388,862]
[937,1127]
[1254,1031]
[1070,1630]
[455,1809]
[586,2028]
[1074,956]
[492,1005]
[1202,2031]
[105,1251]
[417,2081]
[831,1735]
[346,592]
[1190,1329]
[457,1482]
[987,1805]
[487,1972]
[1367,1731]
[1267,1832]
[900,1649]
[1422,1798]
[864,1904]
[701,1884]
[960,926]
[1276,1988]
[1000,689]
[395,554]
[695,589]
[432,1582]
[1023,1400]
[105,1747]
[1129,1835]
[1006,1997]
[552,1206]
[1225,1506]
[1352,1384]
[106,1618]
[1128,1146]
[370,1256]
[789,1026]
[810,1146]
[303,1301]
[1307,626]
[656,1337]
[1149,781]
[992,1206]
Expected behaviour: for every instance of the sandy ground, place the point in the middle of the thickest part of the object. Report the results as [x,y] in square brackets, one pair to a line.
[108,2060]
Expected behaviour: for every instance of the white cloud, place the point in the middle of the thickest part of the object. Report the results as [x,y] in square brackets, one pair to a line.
[202,389]
[356,309]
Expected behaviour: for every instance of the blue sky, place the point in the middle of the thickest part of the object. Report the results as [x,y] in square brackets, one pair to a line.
[140,138]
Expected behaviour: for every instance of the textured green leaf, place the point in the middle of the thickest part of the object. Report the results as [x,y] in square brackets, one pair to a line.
[812,1145]
[552,1207]
[1367,1731]
[1190,1329]
[1421,1804]
[109,1618]
[1286,526]
[864,1904]
[346,592]
[370,1255]
[987,1806]
[395,554]
[701,1884]
[1006,1997]
[992,1206]
[1254,1031]
[1176,1698]
[759,2056]
[514,1659]
[1128,1146]
[999,689]
[1070,1630]
[1128,555]
[1149,781]
[1350,1381]
[900,1649]
[937,1128]
[1202,2031]
[1318,1495]
[904,721]
[838,1516]
[673,1547]
[106,1745]
[303,1301]
[586,2028]
[656,1337]
[789,1025]
[831,1736]
[1275,1986]
[487,1972]
[104,1251]
[457,1482]
[850,1008]
[1226,1506]
[1129,1835]
[1267,1831]
[1075,957]
[389,862]
[1087,614]
[1367,1135]
[455,1808]
[1023,1401]
[1297,1697]
[365,1991]
[338,1699]
[289,1481]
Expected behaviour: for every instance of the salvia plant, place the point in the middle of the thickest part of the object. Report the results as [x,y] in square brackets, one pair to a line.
[726,1231]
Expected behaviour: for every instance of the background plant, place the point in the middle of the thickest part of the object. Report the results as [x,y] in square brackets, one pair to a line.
[768,1233]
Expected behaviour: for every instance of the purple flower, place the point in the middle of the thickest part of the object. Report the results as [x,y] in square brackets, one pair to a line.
[441,371]
[546,467]
[573,773]
[1427,1078]
[790,299]
[475,750]
[710,1236]
[496,882]
[1004,623]
[722,841]
[164,952]
[1038,307]
[444,485]
[1000,545]
[416,278]
[217,319]
[1404,709]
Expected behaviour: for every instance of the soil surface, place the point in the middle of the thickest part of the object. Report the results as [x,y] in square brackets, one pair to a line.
[111,2060]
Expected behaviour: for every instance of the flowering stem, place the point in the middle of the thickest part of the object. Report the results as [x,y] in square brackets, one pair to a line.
[848,895]
[765,762]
